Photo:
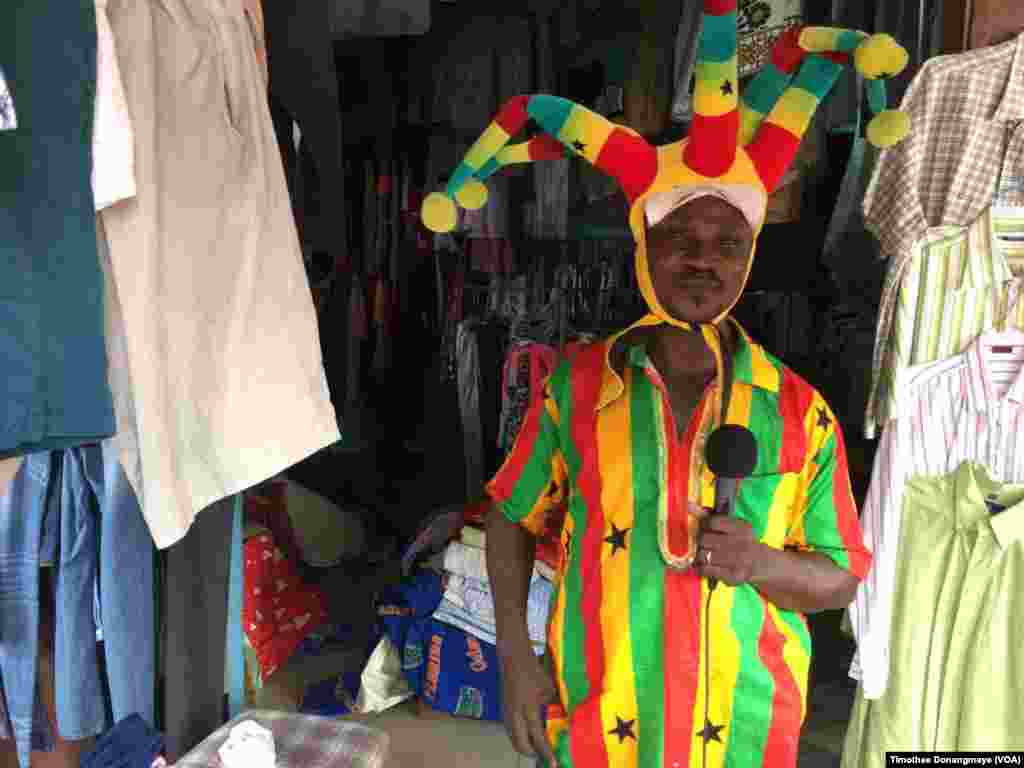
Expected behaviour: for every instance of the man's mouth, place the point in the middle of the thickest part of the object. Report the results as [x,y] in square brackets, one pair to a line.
[699,283]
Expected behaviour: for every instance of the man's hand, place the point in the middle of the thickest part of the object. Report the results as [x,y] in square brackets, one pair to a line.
[528,688]
[729,551]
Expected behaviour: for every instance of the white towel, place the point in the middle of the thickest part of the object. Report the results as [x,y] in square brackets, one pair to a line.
[249,745]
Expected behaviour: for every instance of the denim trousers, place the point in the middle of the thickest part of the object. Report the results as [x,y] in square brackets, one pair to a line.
[102,534]
[22,510]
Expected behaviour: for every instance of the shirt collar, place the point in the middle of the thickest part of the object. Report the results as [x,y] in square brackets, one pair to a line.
[1011,107]
[980,395]
[751,365]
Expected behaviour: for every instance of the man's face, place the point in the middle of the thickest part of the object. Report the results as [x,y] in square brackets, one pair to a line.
[698,259]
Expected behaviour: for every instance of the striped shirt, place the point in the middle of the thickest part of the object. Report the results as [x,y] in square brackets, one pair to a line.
[629,635]
[967,408]
[953,288]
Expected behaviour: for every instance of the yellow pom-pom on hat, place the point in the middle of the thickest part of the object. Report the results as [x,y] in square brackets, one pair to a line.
[880,56]
[472,195]
[438,213]
[888,128]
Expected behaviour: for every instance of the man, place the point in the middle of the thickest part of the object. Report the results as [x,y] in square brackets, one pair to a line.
[677,639]
[699,261]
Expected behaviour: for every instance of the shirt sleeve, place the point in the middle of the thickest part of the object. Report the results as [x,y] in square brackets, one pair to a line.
[533,480]
[871,609]
[825,515]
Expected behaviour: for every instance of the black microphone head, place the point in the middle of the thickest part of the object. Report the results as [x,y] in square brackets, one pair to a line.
[731,451]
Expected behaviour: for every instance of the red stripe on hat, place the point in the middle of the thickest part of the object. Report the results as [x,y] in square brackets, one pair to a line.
[782,742]
[706,151]
[513,116]
[787,54]
[837,56]
[772,152]
[587,734]
[545,147]
[719,7]
[631,160]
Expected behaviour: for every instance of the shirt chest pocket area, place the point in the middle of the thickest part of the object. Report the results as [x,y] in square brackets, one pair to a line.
[769,503]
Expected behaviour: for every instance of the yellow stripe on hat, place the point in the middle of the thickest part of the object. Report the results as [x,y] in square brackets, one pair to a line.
[794,111]
[487,146]
[514,153]
[590,134]
[819,38]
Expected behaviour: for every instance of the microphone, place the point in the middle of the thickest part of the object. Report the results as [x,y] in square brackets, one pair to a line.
[731,453]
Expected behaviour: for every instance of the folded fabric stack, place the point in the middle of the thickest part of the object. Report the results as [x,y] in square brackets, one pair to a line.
[468,602]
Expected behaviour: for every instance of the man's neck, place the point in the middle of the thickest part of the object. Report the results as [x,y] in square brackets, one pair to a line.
[680,354]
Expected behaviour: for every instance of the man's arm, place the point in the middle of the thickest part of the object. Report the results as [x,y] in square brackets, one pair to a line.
[528,689]
[807,582]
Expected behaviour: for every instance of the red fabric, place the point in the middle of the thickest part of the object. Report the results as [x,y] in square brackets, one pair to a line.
[513,116]
[708,152]
[772,152]
[267,505]
[631,160]
[279,611]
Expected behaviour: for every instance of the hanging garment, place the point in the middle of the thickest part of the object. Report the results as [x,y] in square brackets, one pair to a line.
[685,60]
[222,346]
[42,733]
[105,549]
[113,140]
[303,79]
[967,112]
[54,392]
[953,288]
[195,620]
[956,673]
[22,511]
[8,114]
[949,412]
[254,15]
[467,358]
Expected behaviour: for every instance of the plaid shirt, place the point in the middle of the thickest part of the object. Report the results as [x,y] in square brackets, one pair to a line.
[302,741]
[966,111]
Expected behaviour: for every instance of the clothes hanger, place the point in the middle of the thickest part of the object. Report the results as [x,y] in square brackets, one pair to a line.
[1003,339]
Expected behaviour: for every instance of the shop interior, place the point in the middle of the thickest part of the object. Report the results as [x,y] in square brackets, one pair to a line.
[292,393]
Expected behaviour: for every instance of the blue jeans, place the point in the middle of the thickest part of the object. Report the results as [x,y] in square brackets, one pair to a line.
[22,511]
[102,533]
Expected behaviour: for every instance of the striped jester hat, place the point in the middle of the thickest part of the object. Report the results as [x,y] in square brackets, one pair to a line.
[738,149]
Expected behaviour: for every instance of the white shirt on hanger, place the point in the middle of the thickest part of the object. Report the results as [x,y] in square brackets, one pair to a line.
[964,408]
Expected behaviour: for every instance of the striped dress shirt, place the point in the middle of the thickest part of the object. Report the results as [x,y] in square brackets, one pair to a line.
[967,408]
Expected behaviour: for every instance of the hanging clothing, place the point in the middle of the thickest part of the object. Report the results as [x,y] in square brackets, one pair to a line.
[954,287]
[113,139]
[54,393]
[628,633]
[949,412]
[968,116]
[104,549]
[760,25]
[467,357]
[22,511]
[223,356]
[957,671]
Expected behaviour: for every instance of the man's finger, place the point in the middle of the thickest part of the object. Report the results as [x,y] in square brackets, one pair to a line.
[539,738]
[519,733]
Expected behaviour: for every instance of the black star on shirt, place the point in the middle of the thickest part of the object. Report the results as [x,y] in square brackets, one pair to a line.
[617,539]
[727,88]
[579,146]
[823,420]
[711,732]
[623,729]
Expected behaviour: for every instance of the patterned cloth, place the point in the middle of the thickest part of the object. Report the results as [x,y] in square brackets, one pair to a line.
[630,637]
[302,741]
[949,412]
[761,22]
[956,637]
[954,287]
[965,111]
[279,611]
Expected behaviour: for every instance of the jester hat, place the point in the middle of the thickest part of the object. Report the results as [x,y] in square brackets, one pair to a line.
[737,149]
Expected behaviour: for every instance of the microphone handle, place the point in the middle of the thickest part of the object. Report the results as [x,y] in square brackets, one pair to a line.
[726,490]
